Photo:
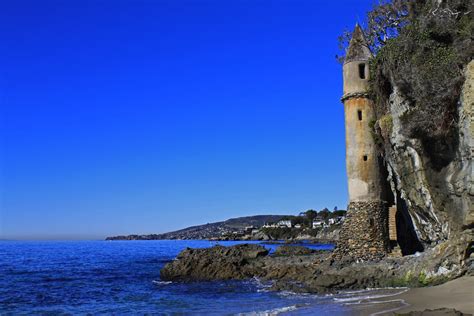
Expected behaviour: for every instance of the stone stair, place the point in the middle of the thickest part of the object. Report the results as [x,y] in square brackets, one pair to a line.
[392,223]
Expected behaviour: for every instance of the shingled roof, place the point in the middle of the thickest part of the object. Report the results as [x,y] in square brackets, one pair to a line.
[358,48]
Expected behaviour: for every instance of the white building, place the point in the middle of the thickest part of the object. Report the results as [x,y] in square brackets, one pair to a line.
[284,223]
[318,223]
[268,225]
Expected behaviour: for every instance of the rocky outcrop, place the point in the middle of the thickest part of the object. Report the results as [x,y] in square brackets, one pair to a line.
[434,200]
[216,263]
[302,270]
[329,234]
[287,250]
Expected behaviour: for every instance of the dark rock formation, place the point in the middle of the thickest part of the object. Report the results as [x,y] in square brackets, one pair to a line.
[314,272]
[216,263]
[241,262]
[287,250]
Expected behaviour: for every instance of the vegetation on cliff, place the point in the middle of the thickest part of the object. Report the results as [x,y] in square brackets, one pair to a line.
[421,48]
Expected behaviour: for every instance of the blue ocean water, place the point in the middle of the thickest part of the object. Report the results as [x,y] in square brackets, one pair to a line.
[123,277]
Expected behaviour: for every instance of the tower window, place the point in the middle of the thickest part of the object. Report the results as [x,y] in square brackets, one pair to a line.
[371,222]
[359,115]
[365,157]
[362,71]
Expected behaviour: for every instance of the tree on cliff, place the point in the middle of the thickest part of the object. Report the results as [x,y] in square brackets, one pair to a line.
[421,48]
[324,214]
[310,216]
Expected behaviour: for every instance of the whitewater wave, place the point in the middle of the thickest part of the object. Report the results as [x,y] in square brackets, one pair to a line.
[372,289]
[261,286]
[368,298]
[374,297]
[402,304]
[161,282]
[290,294]
[272,312]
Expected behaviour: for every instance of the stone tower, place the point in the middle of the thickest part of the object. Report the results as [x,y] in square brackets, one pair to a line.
[361,159]
[365,231]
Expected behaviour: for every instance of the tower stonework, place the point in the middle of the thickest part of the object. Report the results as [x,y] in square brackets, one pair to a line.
[364,234]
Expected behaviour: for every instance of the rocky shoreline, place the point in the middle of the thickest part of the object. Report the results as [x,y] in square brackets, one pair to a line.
[300,269]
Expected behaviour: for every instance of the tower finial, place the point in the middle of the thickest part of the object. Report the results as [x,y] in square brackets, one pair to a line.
[358,47]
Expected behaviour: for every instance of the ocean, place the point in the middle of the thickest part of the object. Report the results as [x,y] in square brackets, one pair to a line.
[123,277]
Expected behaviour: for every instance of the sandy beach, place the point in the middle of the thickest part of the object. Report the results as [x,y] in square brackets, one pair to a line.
[457,294]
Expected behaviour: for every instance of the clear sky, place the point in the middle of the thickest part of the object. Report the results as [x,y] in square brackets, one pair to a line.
[122,117]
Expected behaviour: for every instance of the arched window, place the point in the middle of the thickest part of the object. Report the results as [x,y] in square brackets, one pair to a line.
[365,157]
[362,71]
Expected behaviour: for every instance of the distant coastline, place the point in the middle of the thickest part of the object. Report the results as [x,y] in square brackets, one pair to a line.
[258,227]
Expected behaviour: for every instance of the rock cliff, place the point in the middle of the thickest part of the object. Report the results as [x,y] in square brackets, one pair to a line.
[421,82]
[438,200]
[434,201]
[422,85]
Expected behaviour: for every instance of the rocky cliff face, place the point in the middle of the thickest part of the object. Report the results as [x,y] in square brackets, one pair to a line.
[434,200]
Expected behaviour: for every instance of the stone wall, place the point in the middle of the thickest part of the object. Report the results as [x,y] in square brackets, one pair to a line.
[364,235]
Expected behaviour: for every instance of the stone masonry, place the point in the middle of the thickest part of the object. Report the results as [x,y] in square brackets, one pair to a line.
[364,234]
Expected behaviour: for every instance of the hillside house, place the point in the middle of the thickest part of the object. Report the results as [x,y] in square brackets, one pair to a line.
[319,223]
[285,223]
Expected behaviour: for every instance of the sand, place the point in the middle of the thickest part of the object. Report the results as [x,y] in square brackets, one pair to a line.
[457,294]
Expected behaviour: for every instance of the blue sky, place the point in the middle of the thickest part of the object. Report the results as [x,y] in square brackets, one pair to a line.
[122,117]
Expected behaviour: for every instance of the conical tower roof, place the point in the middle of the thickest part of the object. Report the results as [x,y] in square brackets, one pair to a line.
[358,47]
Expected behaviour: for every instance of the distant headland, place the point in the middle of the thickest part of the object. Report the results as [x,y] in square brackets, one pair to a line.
[322,226]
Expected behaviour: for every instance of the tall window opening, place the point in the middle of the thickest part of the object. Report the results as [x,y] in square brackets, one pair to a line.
[371,222]
[362,71]
[359,115]
[365,157]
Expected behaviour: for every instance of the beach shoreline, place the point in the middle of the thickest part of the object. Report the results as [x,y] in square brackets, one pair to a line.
[456,294]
